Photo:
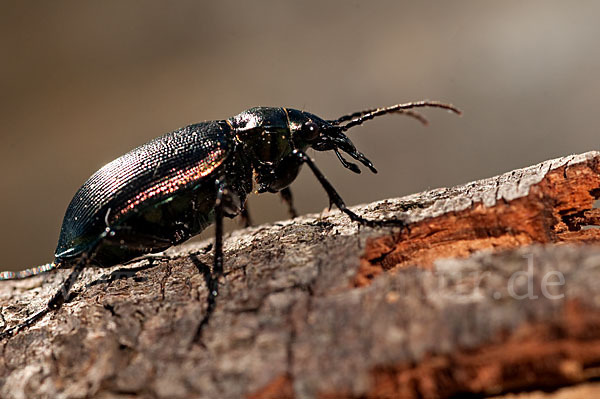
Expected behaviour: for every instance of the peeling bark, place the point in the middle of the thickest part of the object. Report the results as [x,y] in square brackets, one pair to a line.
[552,202]
[469,301]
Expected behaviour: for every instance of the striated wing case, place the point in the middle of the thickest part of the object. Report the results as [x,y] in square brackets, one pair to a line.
[148,175]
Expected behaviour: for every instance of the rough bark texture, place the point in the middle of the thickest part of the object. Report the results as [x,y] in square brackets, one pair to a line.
[478,298]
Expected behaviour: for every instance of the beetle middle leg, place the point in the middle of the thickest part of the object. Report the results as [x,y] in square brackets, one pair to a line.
[334,197]
[286,196]
[217,272]
[246,220]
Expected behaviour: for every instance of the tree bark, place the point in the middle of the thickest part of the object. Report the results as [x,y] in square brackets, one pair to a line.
[490,291]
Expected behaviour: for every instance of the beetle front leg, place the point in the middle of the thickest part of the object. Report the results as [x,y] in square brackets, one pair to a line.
[334,197]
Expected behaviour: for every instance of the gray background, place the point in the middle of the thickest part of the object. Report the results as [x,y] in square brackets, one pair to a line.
[83,82]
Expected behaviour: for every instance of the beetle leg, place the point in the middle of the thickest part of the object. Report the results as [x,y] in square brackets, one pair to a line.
[9,332]
[56,301]
[217,272]
[335,198]
[62,295]
[218,256]
[246,220]
[286,196]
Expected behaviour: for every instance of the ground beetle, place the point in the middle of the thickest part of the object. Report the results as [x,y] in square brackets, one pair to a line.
[171,188]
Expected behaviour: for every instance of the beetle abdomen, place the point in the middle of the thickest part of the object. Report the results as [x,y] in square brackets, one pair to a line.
[144,177]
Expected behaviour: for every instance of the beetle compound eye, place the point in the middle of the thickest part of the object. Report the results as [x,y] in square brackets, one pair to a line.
[309,131]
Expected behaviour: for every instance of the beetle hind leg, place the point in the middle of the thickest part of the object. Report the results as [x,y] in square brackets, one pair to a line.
[62,295]
[57,300]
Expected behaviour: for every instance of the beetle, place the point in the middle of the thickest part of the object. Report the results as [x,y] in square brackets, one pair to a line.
[170,189]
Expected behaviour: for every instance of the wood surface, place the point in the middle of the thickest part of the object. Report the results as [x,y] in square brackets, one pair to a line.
[492,292]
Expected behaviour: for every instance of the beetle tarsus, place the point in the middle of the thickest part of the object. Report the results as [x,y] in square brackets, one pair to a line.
[9,332]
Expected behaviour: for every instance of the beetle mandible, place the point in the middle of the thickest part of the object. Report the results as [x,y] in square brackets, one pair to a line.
[168,190]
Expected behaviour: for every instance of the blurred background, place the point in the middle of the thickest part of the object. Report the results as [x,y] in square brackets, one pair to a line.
[83,82]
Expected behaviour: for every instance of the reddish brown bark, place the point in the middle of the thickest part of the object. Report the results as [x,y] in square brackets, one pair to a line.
[554,211]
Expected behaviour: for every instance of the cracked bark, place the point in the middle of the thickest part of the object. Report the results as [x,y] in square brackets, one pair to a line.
[317,308]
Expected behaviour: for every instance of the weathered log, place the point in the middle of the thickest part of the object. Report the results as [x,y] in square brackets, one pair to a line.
[479,296]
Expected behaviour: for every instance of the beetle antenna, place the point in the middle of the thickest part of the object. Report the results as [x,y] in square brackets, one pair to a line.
[360,117]
[412,114]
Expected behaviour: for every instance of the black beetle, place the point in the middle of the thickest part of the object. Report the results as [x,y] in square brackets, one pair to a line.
[171,188]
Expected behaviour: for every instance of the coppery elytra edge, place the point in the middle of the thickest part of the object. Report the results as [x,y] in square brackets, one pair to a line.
[171,188]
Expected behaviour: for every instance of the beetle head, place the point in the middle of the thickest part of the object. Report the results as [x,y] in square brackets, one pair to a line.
[310,131]
[321,135]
